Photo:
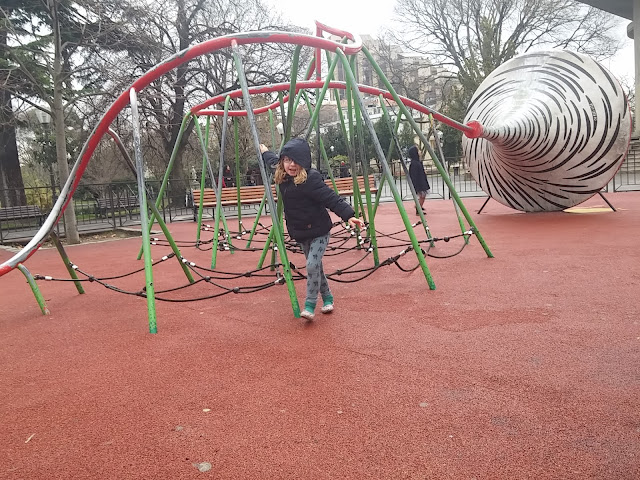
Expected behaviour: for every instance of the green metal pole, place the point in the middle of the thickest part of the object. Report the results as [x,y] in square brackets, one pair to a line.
[172,243]
[292,94]
[172,159]
[236,138]
[412,189]
[367,189]
[203,178]
[65,259]
[336,94]
[275,226]
[283,115]
[319,99]
[455,205]
[322,149]
[387,171]
[389,155]
[443,172]
[351,140]
[352,134]
[272,129]
[274,259]
[343,126]
[265,249]
[154,209]
[34,289]
[257,220]
[218,187]
[270,242]
[219,211]
[267,187]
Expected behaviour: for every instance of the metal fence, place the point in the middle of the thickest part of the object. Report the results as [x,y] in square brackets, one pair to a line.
[98,207]
[109,206]
[628,177]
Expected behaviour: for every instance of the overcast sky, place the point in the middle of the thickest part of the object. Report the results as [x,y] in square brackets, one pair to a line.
[369,16]
[360,16]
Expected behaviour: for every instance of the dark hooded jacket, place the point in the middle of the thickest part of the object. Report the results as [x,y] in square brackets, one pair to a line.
[305,205]
[416,171]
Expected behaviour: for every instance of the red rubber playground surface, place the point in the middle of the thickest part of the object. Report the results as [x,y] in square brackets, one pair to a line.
[521,366]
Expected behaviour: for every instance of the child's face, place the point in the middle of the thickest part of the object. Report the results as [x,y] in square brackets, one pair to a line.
[291,167]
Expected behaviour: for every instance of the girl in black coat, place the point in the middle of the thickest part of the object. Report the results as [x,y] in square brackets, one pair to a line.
[306,199]
[418,177]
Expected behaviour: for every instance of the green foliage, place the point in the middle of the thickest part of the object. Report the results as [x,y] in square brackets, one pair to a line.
[44,151]
[334,138]
[383,132]
[336,161]
[406,136]
[41,197]
[453,107]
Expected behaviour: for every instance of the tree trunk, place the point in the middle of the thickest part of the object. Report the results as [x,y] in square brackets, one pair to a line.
[11,183]
[178,185]
[179,179]
[71,227]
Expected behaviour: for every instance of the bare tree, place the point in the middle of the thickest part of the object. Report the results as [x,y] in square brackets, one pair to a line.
[11,183]
[49,43]
[176,25]
[473,37]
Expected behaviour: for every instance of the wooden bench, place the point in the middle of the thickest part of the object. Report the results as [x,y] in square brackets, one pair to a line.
[21,211]
[103,205]
[253,195]
[345,185]
[229,197]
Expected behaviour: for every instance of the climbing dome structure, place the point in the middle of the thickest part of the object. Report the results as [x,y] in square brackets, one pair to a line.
[532,133]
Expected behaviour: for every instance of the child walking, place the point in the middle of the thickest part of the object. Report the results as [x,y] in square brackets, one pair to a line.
[306,199]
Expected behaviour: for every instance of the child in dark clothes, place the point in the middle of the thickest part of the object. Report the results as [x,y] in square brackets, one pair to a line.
[418,177]
[306,199]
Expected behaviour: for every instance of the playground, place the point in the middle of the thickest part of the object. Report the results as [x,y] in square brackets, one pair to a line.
[473,341]
[520,366]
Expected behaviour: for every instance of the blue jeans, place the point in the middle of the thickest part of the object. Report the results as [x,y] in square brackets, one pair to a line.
[314,249]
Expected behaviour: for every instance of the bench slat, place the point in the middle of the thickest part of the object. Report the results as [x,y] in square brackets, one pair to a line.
[253,195]
[21,211]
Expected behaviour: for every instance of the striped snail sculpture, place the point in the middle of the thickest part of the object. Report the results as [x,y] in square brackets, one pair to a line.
[553,128]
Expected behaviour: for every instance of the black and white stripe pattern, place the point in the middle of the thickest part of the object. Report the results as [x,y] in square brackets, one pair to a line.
[556,128]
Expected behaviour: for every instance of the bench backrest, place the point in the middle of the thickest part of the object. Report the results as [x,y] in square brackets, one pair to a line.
[345,184]
[20,211]
[229,195]
[118,202]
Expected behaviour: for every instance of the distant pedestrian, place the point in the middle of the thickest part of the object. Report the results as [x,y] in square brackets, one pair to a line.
[228,177]
[418,176]
[344,170]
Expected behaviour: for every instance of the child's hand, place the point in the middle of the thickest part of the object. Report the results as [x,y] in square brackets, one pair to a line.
[263,148]
[353,221]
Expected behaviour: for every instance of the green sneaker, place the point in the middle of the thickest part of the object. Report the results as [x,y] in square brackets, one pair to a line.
[307,313]
[327,304]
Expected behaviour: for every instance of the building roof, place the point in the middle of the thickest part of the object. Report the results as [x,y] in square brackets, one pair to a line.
[622,8]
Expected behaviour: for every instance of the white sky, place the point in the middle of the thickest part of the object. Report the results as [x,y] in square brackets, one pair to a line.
[369,16]
[362,17]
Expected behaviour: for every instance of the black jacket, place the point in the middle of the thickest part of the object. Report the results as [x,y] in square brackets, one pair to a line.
[305,205]
[416,171]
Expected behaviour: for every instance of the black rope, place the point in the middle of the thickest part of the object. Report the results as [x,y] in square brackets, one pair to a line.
[337,246]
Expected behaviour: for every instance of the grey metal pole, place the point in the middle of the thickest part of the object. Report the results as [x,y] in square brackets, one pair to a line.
[144,221]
